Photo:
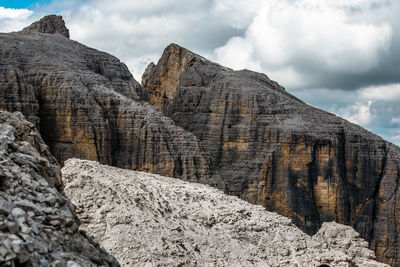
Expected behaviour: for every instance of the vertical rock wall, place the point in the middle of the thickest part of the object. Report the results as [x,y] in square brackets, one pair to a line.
[270,148]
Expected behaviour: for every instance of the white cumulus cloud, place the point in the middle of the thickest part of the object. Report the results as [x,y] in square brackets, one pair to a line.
[359,113]
[12,19]
[12,13]
[313,35]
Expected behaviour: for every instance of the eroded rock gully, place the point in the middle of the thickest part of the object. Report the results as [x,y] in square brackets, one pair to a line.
[236,130]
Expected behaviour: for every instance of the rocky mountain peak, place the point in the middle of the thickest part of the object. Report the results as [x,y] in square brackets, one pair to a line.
[177,66]
[49,24]
[178,52]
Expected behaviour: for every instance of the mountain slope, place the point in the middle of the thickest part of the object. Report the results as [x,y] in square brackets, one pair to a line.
[38,225]
[149,220]
[87,104]
[270,148]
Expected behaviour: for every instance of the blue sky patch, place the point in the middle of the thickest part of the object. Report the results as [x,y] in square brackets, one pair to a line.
[23,3]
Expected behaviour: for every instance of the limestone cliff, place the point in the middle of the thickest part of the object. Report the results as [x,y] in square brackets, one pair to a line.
[149,220]
[38,225]
[270,148]
[87,104]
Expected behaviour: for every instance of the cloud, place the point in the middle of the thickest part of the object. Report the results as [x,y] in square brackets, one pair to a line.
[12,13]
[359,113]
[375,107]
[395,120]
[302,43]
[390,92]
[243,55]
[237,13]
[134,31]
[312,39]
[12,19]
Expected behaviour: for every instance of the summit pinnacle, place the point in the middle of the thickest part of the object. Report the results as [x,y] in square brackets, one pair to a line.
[49,24]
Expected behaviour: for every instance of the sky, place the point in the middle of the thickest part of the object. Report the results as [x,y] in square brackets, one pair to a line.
[342,56]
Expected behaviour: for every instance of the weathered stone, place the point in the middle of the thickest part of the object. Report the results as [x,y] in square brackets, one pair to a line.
[20,238]
[185,224]
[73,264]
[24,228]
[5,207]
[40,247]
[3,251]
[3,224]
[17,212]
[12,227]
[55,222]
[270,148]
[10,256]
[58,264]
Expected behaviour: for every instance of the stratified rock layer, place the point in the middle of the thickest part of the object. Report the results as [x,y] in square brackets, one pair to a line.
[87,105]
[38,226]
[270,148]
[149,220]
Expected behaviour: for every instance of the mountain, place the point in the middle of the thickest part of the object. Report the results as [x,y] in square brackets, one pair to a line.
[140,218]
[149,220]
[198,121]
[87,104]
[270,148]
[38,225]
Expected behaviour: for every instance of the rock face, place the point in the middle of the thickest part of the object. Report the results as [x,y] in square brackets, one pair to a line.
[38,226]
[270,148]
[87,104]
[149,220]
[49,24]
